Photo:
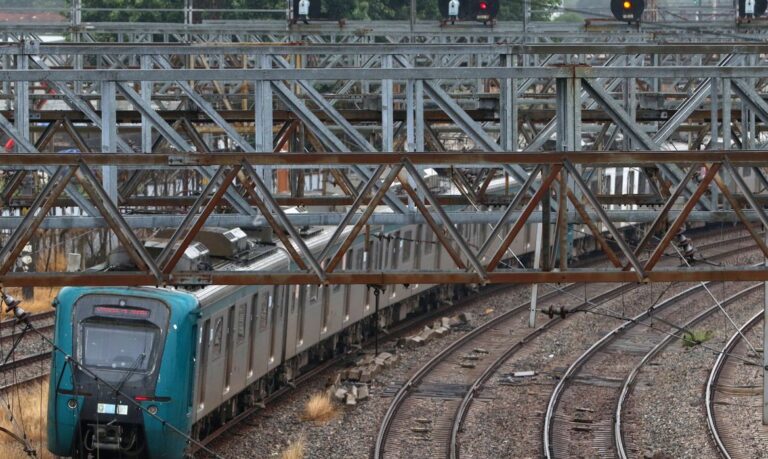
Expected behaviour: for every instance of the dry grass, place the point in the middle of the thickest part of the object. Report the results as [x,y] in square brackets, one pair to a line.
[41,302]
[319,408]
[29,409]
[295,450]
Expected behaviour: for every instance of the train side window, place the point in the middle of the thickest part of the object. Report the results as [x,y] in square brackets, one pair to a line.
[274,306]
[252,332]
[406,246]
[429,238]
[202,363]
[345,262]
[326,307]
[264,312]
[313,292]
[241,320]
[747,171]
[396,241]
[362,256]
[218,335]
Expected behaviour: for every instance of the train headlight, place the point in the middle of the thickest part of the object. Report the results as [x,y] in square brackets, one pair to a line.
[71,403]
[152,409]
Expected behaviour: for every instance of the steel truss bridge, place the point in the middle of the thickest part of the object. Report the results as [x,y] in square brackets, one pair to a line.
[250,113]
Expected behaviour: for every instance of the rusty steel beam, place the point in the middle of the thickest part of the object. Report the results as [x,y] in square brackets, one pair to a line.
[664,211]
[361,197]
[58,182]
[283,200]
[199,221]
[280,218]
[740,214]
[502,276]
[582,211]
[678,222]
[543,189]
[114,219]
[433,225]
[377,197]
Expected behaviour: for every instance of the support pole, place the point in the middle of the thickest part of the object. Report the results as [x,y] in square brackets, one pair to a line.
[377,294]
[535,287]
[387,107]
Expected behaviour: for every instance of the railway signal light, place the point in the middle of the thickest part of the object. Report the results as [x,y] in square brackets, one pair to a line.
[628,10]
[752,8]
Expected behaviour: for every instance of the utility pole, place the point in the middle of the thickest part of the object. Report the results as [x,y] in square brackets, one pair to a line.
[526,17]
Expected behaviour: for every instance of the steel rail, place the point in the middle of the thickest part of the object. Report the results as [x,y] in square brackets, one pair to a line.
[415,323]
[402,393]
[709,396]
[570,373]
[490,370]
[629,381]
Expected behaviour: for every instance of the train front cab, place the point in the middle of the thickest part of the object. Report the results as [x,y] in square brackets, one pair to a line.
[132,339]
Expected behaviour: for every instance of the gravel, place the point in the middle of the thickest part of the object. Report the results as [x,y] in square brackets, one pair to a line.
[505,420]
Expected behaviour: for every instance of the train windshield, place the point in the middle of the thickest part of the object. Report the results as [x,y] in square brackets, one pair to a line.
[108,345]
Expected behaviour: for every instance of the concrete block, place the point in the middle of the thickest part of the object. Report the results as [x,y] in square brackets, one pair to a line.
[340,394]
[362,392]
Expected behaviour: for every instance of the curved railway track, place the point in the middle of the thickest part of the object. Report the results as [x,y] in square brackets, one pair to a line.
[630,380]
[601,367]
[723,438]
[455,398]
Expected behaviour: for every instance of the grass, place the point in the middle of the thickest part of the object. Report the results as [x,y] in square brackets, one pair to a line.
[693,338]
[295,450]
[29,409]
[319,408]
[40,303]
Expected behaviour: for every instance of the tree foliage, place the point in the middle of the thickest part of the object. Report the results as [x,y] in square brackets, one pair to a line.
[142,10]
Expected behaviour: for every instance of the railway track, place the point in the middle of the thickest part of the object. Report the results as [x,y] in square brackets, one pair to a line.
[437,380]
[402,329]
[631,379]
[574,425]
[725,439]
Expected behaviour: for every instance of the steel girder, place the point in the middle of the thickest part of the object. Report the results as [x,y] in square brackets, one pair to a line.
[477,265]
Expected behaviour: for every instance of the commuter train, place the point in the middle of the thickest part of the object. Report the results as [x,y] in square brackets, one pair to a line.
[195,358]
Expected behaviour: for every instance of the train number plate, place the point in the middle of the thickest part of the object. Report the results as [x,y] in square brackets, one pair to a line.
[108,408]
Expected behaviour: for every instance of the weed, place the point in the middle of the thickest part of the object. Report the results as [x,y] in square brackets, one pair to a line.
[319,408]
[693,338]
[295,450]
